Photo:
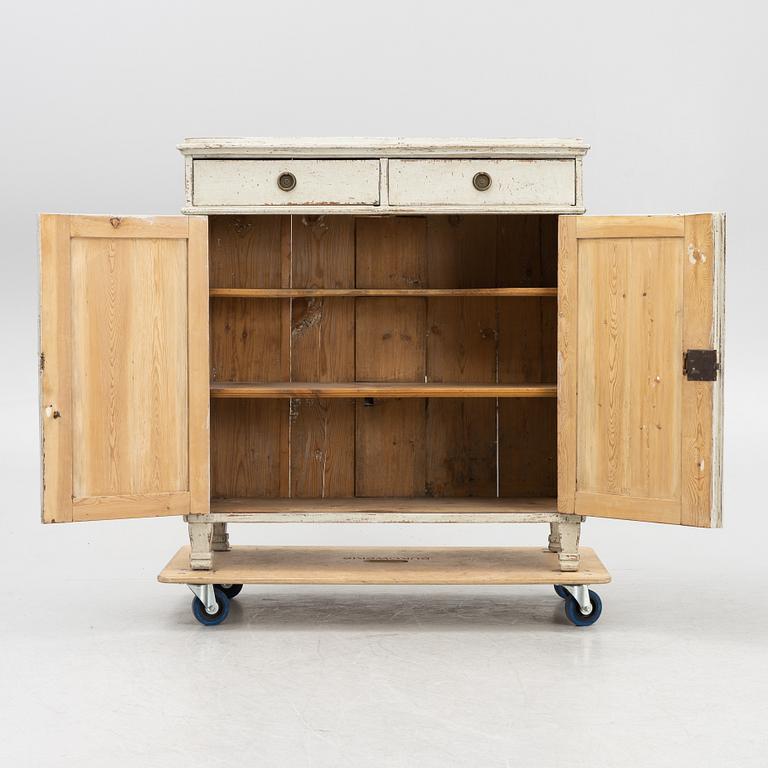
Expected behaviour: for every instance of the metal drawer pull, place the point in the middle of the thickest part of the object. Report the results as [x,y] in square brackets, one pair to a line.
[286,181]
[481,181]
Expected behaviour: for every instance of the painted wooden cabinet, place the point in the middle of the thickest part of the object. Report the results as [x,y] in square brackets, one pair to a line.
[382,330]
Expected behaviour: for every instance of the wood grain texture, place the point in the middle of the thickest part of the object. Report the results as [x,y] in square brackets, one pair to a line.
[126,290]
[647,510]
[322,432]
[241,390]
[567,363]
[379,565]
[322,448]
[701,265]
[198,356]
[630,348]
[643,434]
[629,226]
[460,447]
[304,293]
[128,365]
[56,369]
[129,506]
[248,450]
[112,227]
[389,448]
[246,251]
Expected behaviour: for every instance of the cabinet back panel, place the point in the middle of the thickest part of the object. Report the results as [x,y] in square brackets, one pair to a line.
[315,448]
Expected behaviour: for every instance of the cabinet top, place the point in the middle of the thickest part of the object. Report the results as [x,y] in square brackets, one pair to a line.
[381,147]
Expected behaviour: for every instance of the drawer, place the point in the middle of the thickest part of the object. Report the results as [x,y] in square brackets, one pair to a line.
[285,182]
[498,183]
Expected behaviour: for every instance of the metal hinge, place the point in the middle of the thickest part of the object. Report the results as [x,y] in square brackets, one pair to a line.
[701,364]
[42,361]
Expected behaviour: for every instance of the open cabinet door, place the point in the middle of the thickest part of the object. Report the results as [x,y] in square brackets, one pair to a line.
[124,366]
[639,415]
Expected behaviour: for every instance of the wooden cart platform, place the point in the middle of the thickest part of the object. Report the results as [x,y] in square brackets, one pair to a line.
[388,565]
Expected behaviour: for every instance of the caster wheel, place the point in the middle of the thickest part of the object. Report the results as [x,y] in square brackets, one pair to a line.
[576,617]
[561,591]
[211,619]
[230,590]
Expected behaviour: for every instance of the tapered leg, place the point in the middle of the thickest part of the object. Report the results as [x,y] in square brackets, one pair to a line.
[201,546]
[220,541]
[554,537]
[569,546]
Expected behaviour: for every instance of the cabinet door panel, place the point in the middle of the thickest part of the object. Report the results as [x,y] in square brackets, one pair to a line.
[124,367]
[636,439]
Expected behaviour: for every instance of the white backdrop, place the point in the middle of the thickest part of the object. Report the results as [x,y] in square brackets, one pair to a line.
[95,96]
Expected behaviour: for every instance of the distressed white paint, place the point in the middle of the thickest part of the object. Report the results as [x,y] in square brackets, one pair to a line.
[718,343]
[513,182]
[381,147]
[239,176]
[254,182]
[384,517]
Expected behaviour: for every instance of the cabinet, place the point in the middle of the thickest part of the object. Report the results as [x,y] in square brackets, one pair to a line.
[382,331]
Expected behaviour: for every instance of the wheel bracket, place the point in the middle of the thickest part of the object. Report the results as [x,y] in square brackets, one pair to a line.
[207,596]
[580,593]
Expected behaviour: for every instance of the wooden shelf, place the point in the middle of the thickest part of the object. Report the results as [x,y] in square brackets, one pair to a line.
[408,505]
[385,565]
[299,293]
[377,389]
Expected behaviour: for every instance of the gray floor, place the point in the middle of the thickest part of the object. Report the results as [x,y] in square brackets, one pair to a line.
[117,672]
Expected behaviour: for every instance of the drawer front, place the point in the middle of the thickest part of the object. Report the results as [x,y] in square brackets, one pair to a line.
[285,182]
[482,183]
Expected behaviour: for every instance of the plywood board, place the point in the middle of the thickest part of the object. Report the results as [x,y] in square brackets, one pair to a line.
[378,565]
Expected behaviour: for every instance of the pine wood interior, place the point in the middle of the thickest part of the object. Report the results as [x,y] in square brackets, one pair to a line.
[403,356]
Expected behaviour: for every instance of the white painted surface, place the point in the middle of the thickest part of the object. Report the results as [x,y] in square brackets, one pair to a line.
[358,146]
[254,182]
[513,182]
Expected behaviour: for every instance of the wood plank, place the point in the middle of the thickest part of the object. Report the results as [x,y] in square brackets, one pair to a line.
[629,226]
[390,334]
[174,227]
[627,507]
[323,349]
[701,265]
[247,340]
[132,506]
[389,448]
[246,251]
[404,505]
[322,448]
[376,389]
[567,362]
[379,565]
[630,316]
[198,356]
[304,293]
[247,447]
[527,447]
[461,447]
[56,368]
[130,365]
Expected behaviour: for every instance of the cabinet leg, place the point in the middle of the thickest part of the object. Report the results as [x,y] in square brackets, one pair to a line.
[569,546]
[220,541]
[201,546]
[554,537]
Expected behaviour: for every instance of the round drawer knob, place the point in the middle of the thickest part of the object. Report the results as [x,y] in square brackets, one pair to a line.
[286,181]
[481,181]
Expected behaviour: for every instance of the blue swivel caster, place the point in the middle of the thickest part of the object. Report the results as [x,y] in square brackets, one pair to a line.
[583,607]
[210,605]
[230,590]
